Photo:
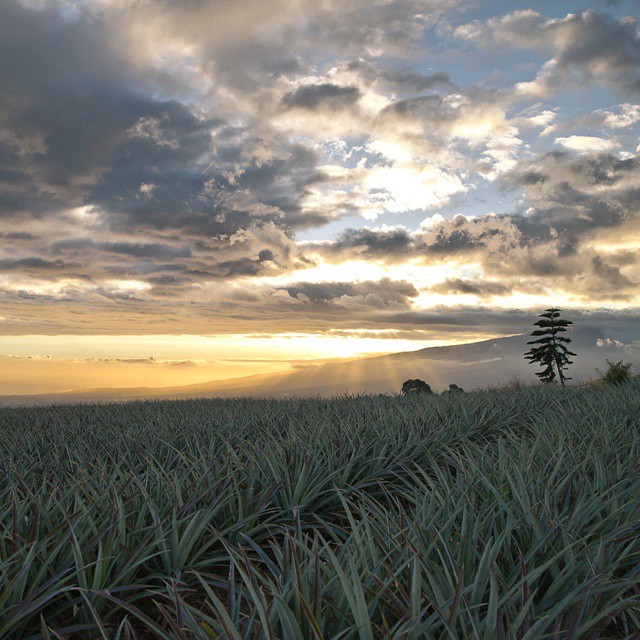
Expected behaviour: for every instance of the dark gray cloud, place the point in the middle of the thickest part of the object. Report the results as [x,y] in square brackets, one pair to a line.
[408,79]
[574,195]
[321,96]
[246,266]
[69,115]
[81,127]
[157,250]
[384,293]
[447,238]
[171,267]
[373,243]
[495,234]
[429,108]
[146,250]
[159,171]
[19,235]
[482,288]
[599,46]
[33,264]
[283,181]
[587,46]
[606,278]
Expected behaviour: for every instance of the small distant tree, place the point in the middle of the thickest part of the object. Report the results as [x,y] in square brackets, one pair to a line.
[452,390]
[551,351]
[410,387]
[617,373]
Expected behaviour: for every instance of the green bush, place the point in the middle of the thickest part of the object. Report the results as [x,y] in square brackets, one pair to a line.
[617,373]
[410,387]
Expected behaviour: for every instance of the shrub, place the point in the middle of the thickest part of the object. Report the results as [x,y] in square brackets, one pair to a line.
[515,383]
[410,387]
[617,373]
[453,389]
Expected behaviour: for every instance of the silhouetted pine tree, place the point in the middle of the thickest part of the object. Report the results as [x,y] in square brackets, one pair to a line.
[552,352]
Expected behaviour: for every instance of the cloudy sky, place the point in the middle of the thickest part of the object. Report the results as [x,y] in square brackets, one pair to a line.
[199,189]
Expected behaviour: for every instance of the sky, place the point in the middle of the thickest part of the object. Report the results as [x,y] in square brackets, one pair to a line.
[194,190]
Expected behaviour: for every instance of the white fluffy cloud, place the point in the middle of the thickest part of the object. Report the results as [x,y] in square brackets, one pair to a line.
[587,143]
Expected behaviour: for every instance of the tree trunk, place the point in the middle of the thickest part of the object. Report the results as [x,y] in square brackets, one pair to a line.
[557,359]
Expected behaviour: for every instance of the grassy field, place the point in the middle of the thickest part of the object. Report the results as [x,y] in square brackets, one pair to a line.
[505,514]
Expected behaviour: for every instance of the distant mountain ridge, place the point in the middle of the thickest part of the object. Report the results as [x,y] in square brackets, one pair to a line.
[487,363]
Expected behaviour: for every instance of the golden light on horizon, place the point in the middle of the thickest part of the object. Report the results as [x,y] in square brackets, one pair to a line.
[47,364]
